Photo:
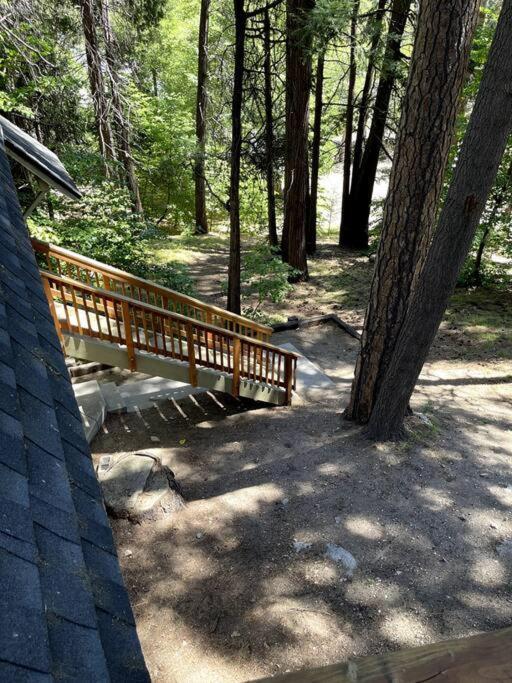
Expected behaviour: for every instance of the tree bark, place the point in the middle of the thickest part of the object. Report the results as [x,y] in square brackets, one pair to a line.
[365,94]
[269,132]
[298,77]
[483,146]
[95,75]
[315,156]
[439,62]
[236,147]
[349,120]
[121,124]
[354,230]
[201,107]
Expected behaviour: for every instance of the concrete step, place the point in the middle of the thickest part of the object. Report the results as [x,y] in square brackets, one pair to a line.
[92,406]
[143,393]
[113,399]
[312,383]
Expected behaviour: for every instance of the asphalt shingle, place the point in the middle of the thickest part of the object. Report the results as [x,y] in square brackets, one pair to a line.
[65,611]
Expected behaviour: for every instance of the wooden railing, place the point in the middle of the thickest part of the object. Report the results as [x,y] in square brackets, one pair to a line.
[67,263]
[85,310]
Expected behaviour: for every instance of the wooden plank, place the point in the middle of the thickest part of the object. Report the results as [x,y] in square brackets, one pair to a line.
[288,378]
[235,391]
[192,372]
[483,658]
[130,349]
[53,311]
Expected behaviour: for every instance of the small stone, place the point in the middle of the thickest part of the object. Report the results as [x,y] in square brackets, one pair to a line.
[128,552]
[493,526]
[199,535]
[300,545]
[504,549]
[337,519]
[342,556]
[105,462]
[154,439]
[285,502]
[484,474]
[235,634]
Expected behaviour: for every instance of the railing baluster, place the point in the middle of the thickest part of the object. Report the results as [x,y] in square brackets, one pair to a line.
[235,389]
[192,372]
[125,307]
[288,378]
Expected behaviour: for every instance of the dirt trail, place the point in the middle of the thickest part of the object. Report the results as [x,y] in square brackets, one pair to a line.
[247,580]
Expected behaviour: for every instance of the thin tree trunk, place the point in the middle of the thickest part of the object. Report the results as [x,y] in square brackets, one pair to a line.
[315,156]
[476,276]
[201,107]
[438,65]
[483,146]
[269,132]
[96,85]
[236,147]
[121,123]
[365,94]
[349,120]
[354,229]
[298,77]
[498,201]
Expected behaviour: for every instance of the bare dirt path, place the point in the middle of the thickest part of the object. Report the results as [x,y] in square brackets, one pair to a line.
[249,579]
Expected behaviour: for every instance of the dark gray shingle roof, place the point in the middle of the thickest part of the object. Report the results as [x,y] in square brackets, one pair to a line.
[65,614]
[37,158]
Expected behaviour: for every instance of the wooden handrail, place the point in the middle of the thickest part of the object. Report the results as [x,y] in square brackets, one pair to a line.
[115,318]
[62,261]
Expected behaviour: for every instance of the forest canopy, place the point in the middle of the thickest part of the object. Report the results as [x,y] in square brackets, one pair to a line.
[136,96]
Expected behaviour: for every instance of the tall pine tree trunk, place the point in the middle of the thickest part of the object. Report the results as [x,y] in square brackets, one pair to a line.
[236,148]
[269,132]
[354,229]
[439,63]
[201,107]
[349,120]
[483,146]
[95,74]
[315,156]
[298,77]
[121,124]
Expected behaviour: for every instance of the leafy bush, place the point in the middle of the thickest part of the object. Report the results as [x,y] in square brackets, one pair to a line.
[264,275]
[102,226]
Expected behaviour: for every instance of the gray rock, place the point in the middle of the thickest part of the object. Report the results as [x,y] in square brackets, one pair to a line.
[343,557]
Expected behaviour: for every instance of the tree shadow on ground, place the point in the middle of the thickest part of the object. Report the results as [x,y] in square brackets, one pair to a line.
[242,571]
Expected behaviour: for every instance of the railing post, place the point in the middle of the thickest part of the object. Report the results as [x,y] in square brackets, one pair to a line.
[53,310]
[288,378]
[235,390]
[192,372]
[130,349]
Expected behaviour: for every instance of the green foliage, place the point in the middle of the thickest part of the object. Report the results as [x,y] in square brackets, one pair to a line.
[264,276]
[103,227]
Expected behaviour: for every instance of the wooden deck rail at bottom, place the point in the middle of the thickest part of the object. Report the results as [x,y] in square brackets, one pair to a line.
[482,658]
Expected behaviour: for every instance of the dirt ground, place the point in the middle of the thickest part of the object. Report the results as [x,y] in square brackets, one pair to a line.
[247,581]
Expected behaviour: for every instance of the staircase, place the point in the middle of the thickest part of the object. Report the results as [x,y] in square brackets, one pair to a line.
[106,315]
